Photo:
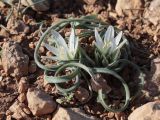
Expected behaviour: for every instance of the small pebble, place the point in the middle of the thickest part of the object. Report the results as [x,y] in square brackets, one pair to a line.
[9,117]
[8,112]
[31,45]
[49,117]
[22,86]
[41,50]
[82,94]
[22,97]
[49,53]
[110,115]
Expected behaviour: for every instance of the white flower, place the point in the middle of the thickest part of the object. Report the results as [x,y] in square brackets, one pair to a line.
[62,51]
[110,43]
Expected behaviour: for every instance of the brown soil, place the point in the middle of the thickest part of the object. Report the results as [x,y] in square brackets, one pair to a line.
[143,35]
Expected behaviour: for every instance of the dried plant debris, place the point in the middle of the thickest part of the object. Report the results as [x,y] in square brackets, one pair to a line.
[37,5]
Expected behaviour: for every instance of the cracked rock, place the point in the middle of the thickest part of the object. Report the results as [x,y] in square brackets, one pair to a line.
[14,61]
[19,111]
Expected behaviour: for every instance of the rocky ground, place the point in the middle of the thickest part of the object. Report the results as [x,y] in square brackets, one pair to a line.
[23,92]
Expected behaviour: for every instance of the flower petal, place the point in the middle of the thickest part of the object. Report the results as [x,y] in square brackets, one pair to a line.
[59,39]
[73,41]
[118,38]
[99,43]
[76,45]
[51,49]
[109,34]
[113,47]
[62,54]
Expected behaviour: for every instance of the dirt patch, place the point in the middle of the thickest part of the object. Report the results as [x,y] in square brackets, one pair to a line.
[141,28]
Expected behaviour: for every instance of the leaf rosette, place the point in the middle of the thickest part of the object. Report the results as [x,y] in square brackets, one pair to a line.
[110,55]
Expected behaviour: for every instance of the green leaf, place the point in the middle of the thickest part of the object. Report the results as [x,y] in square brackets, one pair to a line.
[101,95]
[90,17]
[60,79]
[86,56]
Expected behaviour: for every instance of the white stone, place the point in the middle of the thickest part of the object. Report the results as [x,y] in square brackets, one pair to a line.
[149,111]
[71,114]
[153,13]
[125,6]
